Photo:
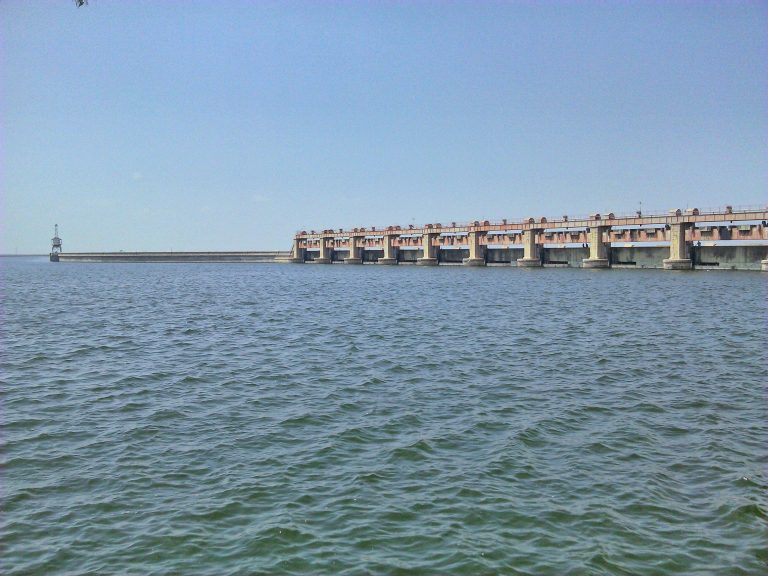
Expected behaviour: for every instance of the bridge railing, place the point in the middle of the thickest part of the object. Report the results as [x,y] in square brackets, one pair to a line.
[645,213]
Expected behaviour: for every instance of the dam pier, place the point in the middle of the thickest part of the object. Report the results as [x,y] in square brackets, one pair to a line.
[677,240]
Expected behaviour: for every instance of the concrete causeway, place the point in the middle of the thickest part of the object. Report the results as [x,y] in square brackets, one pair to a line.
[169,256]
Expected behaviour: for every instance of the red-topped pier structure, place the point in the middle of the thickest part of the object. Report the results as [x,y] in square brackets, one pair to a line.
[725,238]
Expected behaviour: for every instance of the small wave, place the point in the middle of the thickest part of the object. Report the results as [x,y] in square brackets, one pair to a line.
[531,437]
[419,450]
[744,512]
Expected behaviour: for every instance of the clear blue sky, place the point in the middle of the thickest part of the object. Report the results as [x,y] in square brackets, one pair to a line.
[154,125]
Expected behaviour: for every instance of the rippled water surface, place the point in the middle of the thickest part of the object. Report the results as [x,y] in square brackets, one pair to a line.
[246,419]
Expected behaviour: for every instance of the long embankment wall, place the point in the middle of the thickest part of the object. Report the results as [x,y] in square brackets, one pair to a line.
[724,239]
[170,256]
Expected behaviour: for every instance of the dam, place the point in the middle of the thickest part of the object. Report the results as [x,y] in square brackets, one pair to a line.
[724,239]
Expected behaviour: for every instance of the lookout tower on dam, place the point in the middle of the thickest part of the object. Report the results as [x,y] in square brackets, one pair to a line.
[55,244]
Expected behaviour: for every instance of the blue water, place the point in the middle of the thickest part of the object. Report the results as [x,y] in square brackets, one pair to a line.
[286,419]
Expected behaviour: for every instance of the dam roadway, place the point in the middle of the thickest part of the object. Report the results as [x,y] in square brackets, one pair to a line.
[677,240]
[169,257]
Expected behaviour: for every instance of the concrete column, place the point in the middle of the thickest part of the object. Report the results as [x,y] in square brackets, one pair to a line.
[679,257]
[297,253]
[429,258]
[389,251]
[598,251]
[531,255]
[476,250]
[325,252]
[354,253]
[764,265]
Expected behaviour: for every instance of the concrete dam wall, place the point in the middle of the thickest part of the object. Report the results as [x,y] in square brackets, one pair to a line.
[170,257]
